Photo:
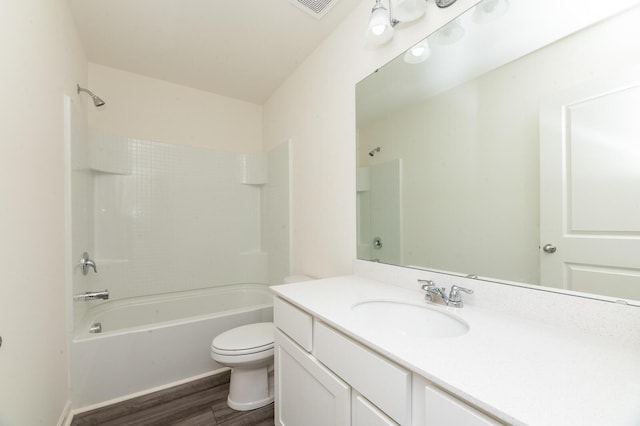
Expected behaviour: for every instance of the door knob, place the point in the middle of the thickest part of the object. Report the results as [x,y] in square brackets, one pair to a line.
[549,248]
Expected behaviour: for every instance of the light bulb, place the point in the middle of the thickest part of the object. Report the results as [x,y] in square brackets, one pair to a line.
[379,20]
[377,29]
[380,29]
[418,53]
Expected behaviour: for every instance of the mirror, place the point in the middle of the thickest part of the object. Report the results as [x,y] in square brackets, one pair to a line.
[507,146]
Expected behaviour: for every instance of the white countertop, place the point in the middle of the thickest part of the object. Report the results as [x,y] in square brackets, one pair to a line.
[518,370]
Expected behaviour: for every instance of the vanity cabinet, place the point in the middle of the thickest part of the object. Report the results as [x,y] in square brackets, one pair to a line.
[325,378]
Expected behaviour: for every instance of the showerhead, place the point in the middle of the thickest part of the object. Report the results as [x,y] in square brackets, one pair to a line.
[96,100]
[373,151]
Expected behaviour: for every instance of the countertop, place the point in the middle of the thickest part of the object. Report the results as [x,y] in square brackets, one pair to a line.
[521,371]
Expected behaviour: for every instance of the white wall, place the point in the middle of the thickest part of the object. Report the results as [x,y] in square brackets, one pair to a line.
[145,108]
[41,62]
[315,108]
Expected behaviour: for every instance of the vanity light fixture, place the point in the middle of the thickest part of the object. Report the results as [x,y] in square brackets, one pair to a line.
[382,20]
[418,53]
[380,24]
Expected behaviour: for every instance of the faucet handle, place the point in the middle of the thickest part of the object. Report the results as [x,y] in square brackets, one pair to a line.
[426,284]
[87,263]
[454,295]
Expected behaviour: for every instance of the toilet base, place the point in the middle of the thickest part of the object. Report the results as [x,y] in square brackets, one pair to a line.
[250,388]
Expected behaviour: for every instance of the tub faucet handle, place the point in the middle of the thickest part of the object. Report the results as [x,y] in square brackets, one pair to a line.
[87,263]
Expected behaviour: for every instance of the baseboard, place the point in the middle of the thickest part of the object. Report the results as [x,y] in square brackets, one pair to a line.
[66,416]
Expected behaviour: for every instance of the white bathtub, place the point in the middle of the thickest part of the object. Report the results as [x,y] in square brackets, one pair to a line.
[157,340]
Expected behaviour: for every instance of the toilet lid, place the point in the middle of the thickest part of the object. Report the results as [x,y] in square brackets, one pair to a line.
[244,339]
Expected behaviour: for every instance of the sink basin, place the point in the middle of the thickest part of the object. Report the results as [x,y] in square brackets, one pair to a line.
[408,319]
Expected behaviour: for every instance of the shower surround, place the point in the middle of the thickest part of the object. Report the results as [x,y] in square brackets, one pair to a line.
[163,219]
[172,218]
[182,219]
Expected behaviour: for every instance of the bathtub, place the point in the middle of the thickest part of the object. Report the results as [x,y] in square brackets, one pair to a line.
[158,340]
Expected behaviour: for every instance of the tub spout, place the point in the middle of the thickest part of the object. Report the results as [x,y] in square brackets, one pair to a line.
[92,295]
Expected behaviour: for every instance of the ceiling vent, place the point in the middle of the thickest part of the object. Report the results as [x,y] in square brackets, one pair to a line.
[315,8]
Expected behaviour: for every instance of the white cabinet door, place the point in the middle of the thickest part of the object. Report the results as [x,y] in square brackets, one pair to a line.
[307,393]
[442,409]
[366,414]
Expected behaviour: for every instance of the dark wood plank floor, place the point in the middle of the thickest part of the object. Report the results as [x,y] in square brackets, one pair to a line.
[199,403]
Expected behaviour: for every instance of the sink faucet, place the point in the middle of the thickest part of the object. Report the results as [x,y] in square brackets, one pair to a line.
[454,299]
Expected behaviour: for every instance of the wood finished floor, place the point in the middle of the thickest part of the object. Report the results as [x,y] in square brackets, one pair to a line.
[199,403]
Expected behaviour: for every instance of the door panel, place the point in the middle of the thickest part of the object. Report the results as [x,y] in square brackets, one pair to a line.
[590,187]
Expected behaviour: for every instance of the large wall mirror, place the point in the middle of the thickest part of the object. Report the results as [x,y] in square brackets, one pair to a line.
[507,146]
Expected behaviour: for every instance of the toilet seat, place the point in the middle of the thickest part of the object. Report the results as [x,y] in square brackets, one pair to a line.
[244,340]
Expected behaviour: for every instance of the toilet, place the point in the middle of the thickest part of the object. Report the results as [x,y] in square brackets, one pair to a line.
[248,350]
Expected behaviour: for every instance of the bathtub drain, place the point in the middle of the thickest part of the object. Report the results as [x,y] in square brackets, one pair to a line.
[96,328]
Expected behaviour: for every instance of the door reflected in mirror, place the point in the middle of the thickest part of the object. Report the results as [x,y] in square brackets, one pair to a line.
[520,133]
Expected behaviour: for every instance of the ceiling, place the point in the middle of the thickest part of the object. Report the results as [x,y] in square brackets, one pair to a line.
[242,49]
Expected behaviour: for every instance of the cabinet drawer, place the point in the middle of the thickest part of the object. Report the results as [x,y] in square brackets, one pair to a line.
[443,409]
[295,323]
[365,414]
[385,384]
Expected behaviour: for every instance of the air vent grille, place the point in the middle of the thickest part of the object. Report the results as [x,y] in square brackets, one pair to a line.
[316,8]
